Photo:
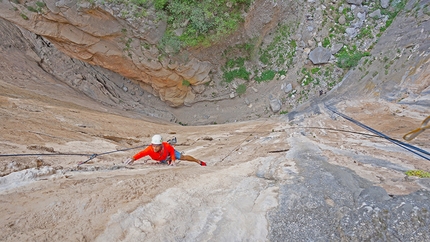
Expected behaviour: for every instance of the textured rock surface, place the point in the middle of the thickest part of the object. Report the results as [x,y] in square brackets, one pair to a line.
[306,176]
[331,203]
[95,36]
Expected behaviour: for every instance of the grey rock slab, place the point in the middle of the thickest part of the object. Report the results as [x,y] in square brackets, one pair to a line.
[320,55]
[385,3]
[326,202]
[376,14]
[336,48]
[355,2]
[275,105]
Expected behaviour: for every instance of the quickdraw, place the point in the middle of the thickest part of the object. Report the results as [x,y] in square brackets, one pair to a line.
[414,133]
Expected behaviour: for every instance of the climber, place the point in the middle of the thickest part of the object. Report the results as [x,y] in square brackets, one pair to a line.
[162,152]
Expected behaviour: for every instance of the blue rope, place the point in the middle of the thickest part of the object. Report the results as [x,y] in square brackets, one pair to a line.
[42,154]
[109,152]
[92,156]
[406,146]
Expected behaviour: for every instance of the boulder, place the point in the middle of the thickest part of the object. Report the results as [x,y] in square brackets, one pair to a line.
[320,55]
[336,48]
[385,3]
[376,14]
[287,87]
[342,20]
[275,104]
[351,32]
[355,2]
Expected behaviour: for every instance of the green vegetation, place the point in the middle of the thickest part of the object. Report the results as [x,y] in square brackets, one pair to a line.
[186,83]
[38,9]
[315,70]
[40,4]
[24,16]
[418,173]
[235,67]
[266,75]
[196,23]
[349,57]
[365,33]
[241,89]
[128,46]
[326,42]
[239,62]
[281,50]
[203,21]
[31,9]
[392,14]
[170,43]
[426,9]
[306,80]
[240,73]
[278,53]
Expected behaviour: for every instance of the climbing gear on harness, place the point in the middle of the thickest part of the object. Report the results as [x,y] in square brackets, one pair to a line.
[172,141]
[129,161]
[414,133]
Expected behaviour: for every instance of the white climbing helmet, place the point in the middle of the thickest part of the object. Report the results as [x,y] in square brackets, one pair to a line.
[156,139]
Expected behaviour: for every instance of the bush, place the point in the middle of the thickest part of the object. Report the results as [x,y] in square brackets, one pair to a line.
[315,70]
[203,21]
[235,63]
[267,75]
[160,4]
[241,89]
[31,9]
[348,58]
[326,42]
[186,83]
[170,42]
[418,173]
[241,73]
[40,4]
[24,16]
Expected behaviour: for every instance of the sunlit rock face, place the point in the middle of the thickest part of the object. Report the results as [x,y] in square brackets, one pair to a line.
[94,35]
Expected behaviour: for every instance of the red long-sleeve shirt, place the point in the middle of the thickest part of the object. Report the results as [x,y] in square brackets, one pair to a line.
[165,151]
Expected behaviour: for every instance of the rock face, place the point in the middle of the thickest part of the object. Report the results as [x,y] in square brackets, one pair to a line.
[312,207]
[305,176]
[97,37]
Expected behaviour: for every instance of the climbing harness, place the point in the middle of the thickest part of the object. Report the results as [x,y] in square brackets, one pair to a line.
[420,152]
[414,133]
